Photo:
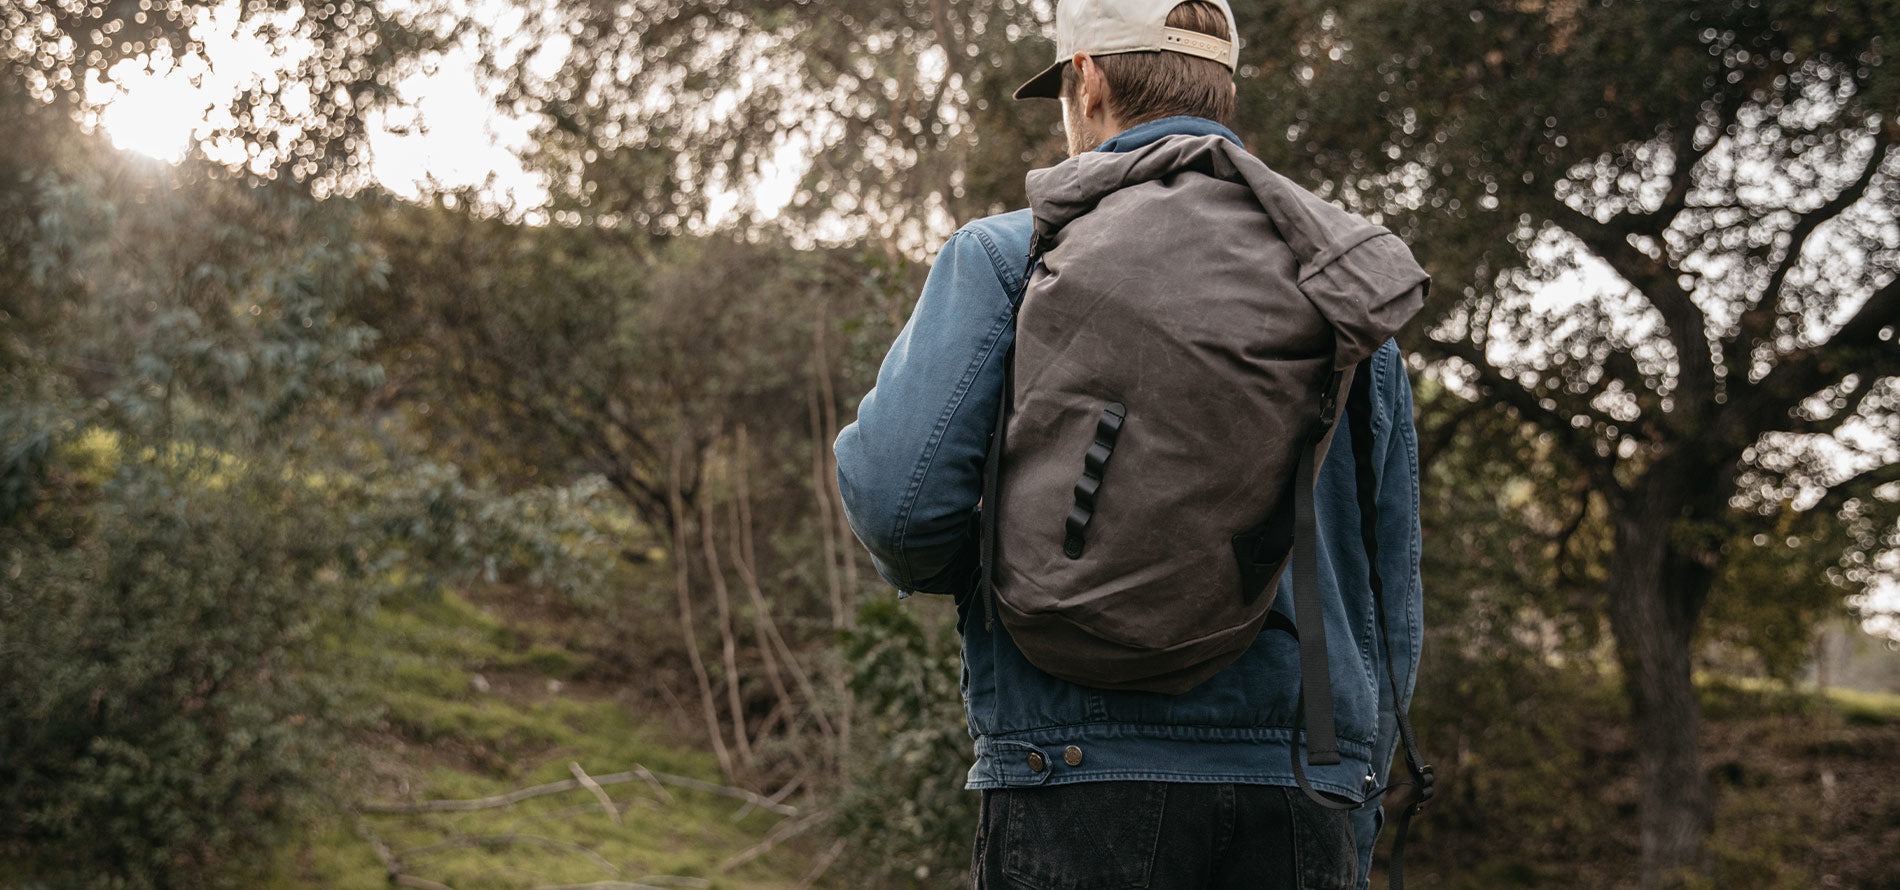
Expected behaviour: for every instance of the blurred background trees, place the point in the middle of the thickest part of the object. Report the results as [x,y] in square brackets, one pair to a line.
[307,490]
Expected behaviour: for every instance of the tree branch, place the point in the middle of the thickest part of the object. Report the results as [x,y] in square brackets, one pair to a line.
[1580,443]
[1758,322]
[1855,348]
[1859,487]
[1435,441]
[638,773]
[1653,277]
[1687,157]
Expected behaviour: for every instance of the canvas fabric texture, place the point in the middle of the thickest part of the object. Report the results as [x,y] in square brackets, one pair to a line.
[1209,302]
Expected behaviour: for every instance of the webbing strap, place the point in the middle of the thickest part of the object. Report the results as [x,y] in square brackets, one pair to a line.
[1359,420]
[993,461]
[1309,609]
[992,475]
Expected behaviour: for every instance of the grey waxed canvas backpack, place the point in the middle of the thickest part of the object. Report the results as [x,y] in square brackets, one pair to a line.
[1187,332]
[1189,328]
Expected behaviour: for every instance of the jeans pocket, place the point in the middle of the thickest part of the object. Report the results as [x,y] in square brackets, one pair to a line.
[1085,836]
[1323,845]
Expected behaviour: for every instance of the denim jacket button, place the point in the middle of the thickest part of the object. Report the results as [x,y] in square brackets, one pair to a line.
[1035,761]
[1072,756]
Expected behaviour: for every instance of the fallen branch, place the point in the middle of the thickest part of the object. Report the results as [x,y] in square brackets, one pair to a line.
[653,782]
[392,867]
[779,834]
[639,773]
[484,840]
[671,881]
[758,800]
[600,885]
[823,865]
[776,797]
[600,794]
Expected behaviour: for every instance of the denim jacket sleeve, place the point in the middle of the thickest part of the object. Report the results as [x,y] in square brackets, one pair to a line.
[1396,451]
[910,468]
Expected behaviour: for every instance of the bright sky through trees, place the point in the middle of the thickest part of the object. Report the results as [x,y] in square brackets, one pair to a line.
[451,136]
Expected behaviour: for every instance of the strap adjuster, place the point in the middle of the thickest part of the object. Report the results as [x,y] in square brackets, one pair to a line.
[1329,403]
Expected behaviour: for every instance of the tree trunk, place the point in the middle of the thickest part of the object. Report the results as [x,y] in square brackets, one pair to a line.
[1656,595]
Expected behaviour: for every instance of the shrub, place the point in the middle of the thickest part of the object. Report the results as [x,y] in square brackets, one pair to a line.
[165,705]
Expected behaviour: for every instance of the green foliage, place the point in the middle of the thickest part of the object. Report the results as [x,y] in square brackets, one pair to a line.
[435,528]
[169,708]
[166,706]
[906,813]
[251,443]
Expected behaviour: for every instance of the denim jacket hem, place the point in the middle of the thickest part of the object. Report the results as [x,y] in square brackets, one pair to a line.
[1140,752]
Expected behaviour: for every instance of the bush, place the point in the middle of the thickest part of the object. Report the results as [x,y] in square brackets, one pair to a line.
[159,672]
[906,812]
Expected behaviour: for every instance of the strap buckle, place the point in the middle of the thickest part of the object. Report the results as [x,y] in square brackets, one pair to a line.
[1329,403]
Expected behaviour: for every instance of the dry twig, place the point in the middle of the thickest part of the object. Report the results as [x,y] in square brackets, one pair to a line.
[600,794]
[519,795]
[484,840]
[659,790]
[392,867]
[779,834]
[823,865]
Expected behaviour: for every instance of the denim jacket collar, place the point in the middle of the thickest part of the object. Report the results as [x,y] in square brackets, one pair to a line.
[1180,125]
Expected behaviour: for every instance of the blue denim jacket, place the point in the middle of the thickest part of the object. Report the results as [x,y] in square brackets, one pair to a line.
[911,470]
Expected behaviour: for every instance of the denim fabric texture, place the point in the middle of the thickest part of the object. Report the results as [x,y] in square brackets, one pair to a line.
[1161,836]
[911,471]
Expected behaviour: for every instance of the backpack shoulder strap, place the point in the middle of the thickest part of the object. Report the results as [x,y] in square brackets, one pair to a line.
[993,459]
[1315,708]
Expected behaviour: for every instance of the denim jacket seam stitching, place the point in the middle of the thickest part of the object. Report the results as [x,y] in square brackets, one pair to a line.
[1010,283]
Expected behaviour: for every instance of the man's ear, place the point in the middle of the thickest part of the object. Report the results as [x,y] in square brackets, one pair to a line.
[1091,90]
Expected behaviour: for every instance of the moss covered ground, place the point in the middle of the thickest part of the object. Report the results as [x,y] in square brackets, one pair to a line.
[466,705]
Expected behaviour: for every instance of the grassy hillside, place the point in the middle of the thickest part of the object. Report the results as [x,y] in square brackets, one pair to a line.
[474,706]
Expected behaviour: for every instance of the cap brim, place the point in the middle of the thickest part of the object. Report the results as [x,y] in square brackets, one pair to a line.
[1047,85]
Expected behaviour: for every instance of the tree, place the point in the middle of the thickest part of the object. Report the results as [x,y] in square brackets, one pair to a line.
[1720,177]
[700,377]
[896,116]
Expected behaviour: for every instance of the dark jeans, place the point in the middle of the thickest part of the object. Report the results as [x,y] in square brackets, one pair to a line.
[1161,836]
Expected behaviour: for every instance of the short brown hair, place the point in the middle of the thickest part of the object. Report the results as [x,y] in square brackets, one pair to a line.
[1146,86]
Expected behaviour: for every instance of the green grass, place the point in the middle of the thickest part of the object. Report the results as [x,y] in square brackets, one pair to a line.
[1866,707]
[1728,696]
[445,740]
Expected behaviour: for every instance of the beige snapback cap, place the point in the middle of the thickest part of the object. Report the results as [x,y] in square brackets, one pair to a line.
[1107,27]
